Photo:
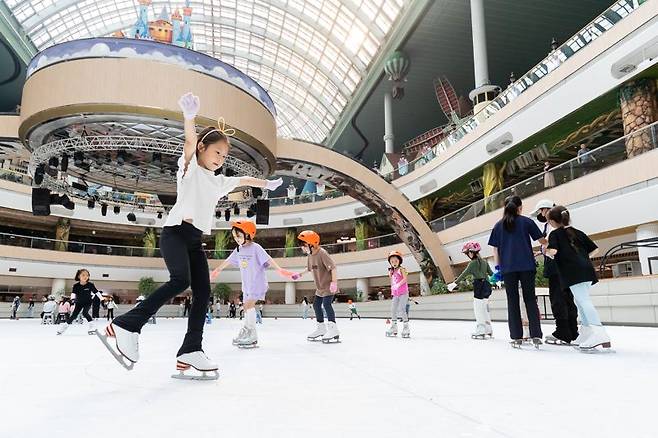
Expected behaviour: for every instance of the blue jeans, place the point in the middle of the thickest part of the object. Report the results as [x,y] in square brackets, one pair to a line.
[320,303]
[586,310]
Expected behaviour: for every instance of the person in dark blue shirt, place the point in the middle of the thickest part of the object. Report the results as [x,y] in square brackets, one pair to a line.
[511,241]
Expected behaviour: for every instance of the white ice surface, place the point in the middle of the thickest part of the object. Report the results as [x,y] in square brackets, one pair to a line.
[439,383]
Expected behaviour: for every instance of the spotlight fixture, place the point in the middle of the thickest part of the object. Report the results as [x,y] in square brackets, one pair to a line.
[104,209]
[53,162]
[157,158]
[91,203]
[62,200]
[218,214]
[39,173]
[159,215]
[251,212]
[64,163]
[116,209]
[227,214]
[78,158]
[121,157]
[256,192]
[236,210]
[131,217]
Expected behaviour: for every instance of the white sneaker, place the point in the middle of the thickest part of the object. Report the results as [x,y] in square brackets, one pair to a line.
[197,360]
[319,331]
[127,342]
[597,337]
[332,332]
[62,328]
[583,333]
[392,330]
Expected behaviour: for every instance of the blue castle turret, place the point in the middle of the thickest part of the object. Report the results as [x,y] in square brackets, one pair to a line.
[141,28]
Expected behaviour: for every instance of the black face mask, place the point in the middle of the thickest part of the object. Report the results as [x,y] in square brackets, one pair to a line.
[541,218]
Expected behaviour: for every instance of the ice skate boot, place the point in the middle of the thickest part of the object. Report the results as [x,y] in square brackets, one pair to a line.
[480,332]
[392,330]
[536,342]
[198,361]
[249,340]
[241,334]
[552,340]
[516,343]
[125,342]
[91,328]
[318,333]
[584,333]
[332,335]
[405,331]
[598,338]
[62,328]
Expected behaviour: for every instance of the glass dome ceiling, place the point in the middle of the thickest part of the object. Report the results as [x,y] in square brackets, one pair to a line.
[310,55]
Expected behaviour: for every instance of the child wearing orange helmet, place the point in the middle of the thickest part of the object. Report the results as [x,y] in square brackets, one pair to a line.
[326,286]
[399,293]
[252,260]
[480,270]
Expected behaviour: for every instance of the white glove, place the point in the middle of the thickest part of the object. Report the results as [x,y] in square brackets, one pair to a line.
[189,104]
[273,184]
[452,286]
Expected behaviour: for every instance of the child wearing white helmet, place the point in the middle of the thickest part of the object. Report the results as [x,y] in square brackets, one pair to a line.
[480,270]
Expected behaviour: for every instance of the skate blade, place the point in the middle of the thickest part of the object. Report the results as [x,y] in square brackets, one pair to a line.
[391,335]
[406,336]
[118,356]
[597,349]
[182,376]
[479,337]
[318,339]
[247,346]
[331,341]
[560,343]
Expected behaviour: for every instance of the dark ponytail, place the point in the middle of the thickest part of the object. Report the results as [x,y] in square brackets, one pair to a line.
[561,215]
[511,212]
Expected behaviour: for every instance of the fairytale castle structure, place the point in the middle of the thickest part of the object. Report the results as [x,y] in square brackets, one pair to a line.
[175,29]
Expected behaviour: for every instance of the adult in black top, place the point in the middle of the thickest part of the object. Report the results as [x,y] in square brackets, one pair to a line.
[572,258]
[563,307]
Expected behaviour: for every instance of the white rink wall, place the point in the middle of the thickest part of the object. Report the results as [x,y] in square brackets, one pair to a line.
[623,301]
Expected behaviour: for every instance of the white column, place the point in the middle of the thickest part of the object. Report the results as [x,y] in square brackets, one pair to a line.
[424,285]
[480,64]
[291,293]
[58,287]
[647,231]
[388,124]
[363,285]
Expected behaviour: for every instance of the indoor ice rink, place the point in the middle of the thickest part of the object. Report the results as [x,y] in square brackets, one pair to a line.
[328,218]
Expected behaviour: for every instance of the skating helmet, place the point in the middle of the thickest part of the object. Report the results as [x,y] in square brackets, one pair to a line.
[397,254]
[310,237]
[247,227]
[471,246]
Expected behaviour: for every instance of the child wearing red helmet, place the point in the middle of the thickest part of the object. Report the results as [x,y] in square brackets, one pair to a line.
[480,270]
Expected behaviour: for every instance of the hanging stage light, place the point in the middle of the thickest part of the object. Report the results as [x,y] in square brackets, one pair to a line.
[78,158]
[227,214]
[121,157]
[236,210]
[117,209]
[64,163]
[39,173]
[131,217]
[91,203]
[104,209]
[159,215]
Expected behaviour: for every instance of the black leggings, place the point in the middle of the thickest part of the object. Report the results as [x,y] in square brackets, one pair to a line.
[181,249]
[110,314]
[80,307]
[325,302]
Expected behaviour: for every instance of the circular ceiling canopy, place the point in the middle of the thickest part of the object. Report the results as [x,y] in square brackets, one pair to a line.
[309,55]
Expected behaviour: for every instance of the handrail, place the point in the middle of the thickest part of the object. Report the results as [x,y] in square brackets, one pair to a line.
[606,155]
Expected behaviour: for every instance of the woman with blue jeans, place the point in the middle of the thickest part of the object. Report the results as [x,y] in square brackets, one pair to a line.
[515,261]
[572,249]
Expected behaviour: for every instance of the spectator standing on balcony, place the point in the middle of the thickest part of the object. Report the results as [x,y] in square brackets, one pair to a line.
[585,159]
[403,166]
[292,192]
[319,189]
[515,261]
[549,177]
[187,305]
[572,250]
